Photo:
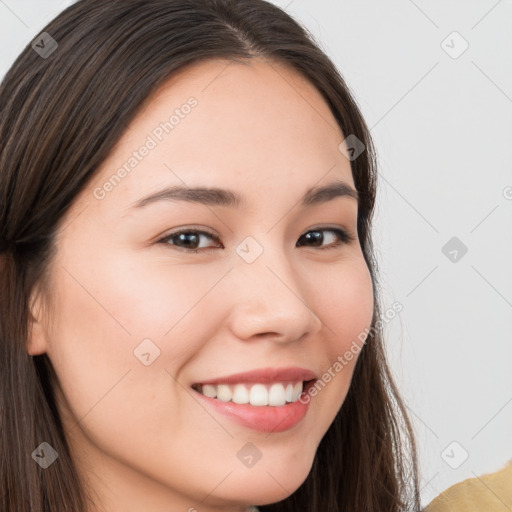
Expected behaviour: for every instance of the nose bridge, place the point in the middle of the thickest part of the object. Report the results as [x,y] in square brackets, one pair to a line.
[267,296]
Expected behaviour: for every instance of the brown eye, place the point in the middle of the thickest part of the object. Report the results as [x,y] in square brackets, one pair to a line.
[316,238]
[187,239]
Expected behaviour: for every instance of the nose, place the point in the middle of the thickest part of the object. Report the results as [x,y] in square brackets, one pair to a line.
[268,300]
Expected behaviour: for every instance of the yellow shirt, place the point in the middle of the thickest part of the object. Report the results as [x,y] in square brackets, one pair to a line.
[486,493]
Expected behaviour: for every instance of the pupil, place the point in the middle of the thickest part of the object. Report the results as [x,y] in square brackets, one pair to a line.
[315,236]
[185,237]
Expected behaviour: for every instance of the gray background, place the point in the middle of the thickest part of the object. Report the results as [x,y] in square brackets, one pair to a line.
[442,127]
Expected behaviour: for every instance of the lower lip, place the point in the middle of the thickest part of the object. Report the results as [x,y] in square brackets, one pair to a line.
[265,418]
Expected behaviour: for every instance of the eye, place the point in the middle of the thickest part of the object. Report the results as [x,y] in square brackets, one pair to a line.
[189,240]
[316,237]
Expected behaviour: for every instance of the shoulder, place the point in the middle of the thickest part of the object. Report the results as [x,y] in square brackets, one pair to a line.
[490,493]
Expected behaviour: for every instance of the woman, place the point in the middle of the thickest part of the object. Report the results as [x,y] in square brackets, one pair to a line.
[190,316]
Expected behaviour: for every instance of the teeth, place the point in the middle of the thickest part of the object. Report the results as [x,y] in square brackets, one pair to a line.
[224,393]
[256,394]
[297,390]
[289,393]
[209,390]
[276,395]
[240,394]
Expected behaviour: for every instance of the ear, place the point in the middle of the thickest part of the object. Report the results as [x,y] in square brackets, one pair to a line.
[37,341]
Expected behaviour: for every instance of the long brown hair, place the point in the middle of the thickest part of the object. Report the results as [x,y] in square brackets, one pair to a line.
[60,116]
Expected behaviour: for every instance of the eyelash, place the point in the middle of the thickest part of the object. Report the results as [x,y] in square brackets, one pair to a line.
[343,236]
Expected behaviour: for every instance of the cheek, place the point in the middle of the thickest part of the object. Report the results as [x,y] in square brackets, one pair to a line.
[345,305]
[119,313]
[104,312]
[346,302]
[154,298]
[124,407]
[120,301]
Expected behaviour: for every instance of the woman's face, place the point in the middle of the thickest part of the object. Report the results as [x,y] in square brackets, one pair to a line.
[142,316]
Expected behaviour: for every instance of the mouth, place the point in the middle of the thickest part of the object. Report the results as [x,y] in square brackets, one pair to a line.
[267,400]
[258,394]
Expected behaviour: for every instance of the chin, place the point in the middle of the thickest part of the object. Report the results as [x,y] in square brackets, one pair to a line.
[267,483]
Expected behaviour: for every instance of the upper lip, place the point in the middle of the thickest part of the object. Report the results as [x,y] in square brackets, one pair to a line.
[265,375]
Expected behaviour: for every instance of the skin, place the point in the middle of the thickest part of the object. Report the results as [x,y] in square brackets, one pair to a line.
[138,435]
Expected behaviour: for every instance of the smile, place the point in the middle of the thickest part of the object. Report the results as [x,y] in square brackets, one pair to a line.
[267,400]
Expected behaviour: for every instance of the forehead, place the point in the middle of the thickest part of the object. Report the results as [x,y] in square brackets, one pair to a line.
[251,126]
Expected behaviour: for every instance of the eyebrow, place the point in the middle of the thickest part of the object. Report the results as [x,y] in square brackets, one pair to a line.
[228,198]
